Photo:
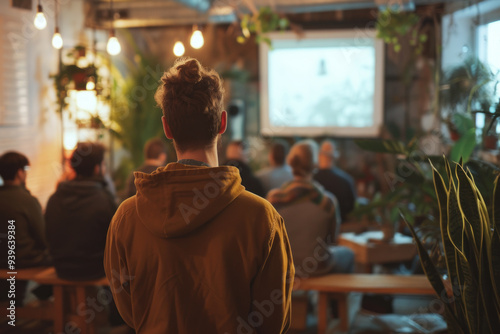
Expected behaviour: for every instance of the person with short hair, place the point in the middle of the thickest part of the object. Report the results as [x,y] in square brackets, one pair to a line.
[22,229]
[278,171]
[17,204]
[334,179]
[236,156]
[78,215]
[192,251]
[155,154]
[312,217]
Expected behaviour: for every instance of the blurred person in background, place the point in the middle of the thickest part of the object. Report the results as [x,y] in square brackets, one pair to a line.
[78,216]
[312,217]
[155,153]
[236,156]
[334,179]
[18,205]
[278,171]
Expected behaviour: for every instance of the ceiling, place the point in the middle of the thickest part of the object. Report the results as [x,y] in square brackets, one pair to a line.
[150,13]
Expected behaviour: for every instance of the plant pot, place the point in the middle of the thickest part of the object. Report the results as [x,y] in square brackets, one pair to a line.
[490,142]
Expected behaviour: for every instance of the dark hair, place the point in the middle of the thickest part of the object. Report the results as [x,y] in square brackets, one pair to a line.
[85,157]
[154,148]
[10,163]
[190,97]
[279,149]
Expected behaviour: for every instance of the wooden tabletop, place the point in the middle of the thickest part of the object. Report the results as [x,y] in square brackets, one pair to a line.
[372,283]
[369,249]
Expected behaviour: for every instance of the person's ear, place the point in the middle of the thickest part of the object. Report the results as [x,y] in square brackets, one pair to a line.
[166,128]
[223,122]
[20,175]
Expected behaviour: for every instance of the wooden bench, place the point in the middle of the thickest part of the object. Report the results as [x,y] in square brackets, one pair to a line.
[337,286]
[68,295]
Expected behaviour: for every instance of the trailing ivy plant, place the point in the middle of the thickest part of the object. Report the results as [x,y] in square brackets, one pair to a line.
[261,22]
[394,26]
[470,236]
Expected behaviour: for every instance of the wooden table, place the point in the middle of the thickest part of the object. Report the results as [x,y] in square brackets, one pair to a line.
[368,252]
[337,286]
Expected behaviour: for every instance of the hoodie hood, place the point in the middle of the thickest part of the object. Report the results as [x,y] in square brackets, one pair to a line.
[177,199]
[75,193]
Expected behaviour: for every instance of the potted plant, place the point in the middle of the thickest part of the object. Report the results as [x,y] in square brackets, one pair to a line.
[470,236]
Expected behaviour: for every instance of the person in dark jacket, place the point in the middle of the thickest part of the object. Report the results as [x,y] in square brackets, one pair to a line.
[155,152]
[334,179]
[236,157]
[78,216]
[21,223]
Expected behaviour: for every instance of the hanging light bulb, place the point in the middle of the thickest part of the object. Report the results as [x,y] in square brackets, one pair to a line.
[197,40]
[179,49]
[40,20]
[57,41]
[90,84]
[113,46]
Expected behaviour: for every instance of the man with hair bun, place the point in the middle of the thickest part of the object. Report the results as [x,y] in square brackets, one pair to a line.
[193,251]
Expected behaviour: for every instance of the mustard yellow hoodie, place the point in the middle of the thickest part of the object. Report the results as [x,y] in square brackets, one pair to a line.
[193,252]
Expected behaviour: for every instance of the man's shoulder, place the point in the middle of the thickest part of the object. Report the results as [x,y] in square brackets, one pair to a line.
[249,202]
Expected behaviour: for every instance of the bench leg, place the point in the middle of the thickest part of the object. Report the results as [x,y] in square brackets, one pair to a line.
[58,309]
[322,312]
[343,312]
[80,299]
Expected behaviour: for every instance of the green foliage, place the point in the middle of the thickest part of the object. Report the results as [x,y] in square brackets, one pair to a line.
[260,23]
[468,86]
[395,26]
[135,118]
[470,238]
[412,187]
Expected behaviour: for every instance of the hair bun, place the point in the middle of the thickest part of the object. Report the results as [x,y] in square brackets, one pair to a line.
[189,71]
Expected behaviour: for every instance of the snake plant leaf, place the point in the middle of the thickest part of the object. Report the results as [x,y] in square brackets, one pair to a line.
[468,291]
[449,250]
[468,204]
[433,277]
[495,240]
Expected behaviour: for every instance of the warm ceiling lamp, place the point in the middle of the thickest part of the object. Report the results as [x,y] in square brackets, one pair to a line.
[57,41]
[179,49]
[113,46]
[40,21]
[197,40]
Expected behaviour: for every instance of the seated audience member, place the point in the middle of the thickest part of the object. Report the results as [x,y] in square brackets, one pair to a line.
[197,253]
[334,179]
[78,215]
[17,204]
[24,210]
[155,152]
[311,217]
[278,172]
[236,156]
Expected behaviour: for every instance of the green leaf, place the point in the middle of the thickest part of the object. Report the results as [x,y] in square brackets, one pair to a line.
[464,147]
[468,204]
[495,239]
[434,278]
[449,249]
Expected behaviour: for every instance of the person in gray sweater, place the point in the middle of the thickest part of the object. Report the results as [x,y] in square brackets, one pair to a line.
[312,217]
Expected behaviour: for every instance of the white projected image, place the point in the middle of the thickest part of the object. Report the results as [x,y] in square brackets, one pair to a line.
[323,86]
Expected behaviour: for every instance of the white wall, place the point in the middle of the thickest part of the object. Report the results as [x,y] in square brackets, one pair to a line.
[40,137]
